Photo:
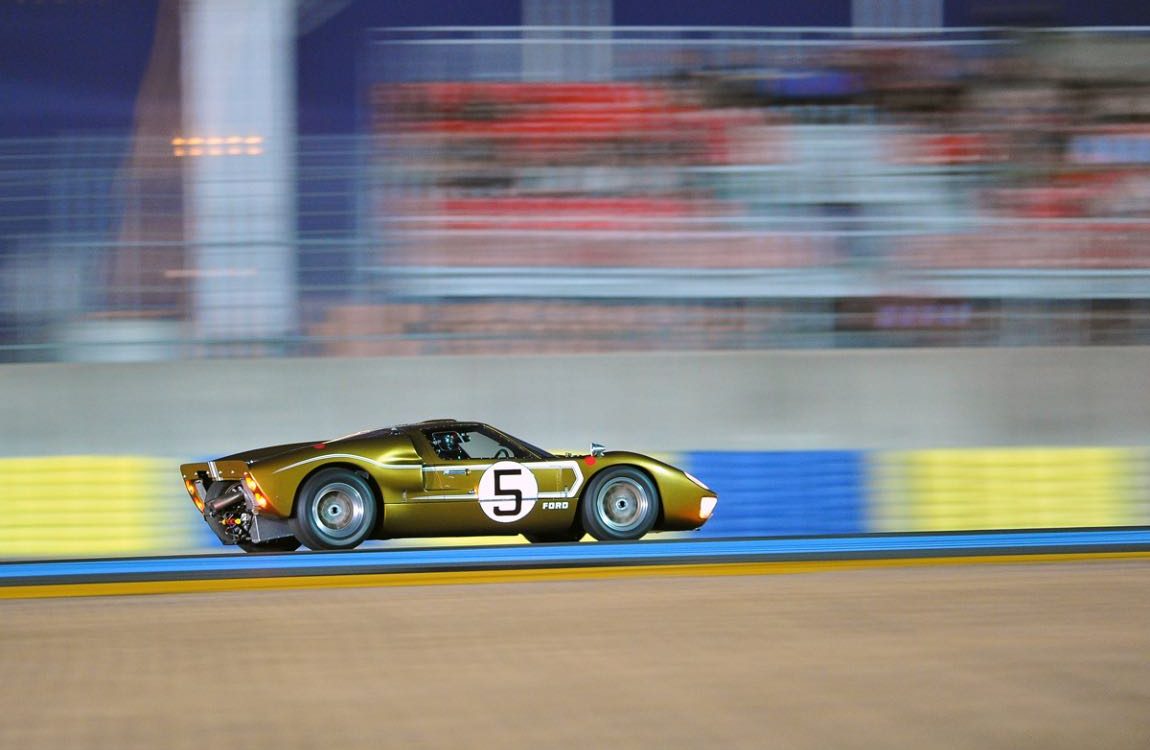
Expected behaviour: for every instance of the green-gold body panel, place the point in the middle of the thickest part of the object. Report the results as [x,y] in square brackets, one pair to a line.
[421,493]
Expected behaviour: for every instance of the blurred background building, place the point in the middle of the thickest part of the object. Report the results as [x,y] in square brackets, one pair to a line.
[267,177]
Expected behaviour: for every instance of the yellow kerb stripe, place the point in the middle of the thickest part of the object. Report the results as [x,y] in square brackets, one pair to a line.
[60,506]
[1005,488]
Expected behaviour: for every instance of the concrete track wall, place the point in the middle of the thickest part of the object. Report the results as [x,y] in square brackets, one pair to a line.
[791,400]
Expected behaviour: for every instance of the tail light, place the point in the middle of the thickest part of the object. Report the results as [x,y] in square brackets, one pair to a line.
[190,486]
[258,496]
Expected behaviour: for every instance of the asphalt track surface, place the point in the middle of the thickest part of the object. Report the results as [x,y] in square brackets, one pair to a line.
[1030,654]
[880,641]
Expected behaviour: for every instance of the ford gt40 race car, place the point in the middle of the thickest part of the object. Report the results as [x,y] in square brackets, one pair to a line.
[438,478]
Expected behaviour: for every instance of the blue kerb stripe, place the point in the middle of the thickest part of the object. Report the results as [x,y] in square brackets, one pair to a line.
[781,493]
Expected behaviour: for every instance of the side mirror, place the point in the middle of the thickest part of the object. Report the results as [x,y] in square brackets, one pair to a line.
[597,449]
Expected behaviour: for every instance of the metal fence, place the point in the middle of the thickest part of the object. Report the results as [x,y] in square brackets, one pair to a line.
[589,189]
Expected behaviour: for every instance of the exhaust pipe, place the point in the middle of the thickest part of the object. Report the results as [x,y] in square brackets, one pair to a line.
[226,500]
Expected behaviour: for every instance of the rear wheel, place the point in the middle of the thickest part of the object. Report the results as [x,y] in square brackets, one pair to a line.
[283,544]
[336,509]
[620,503]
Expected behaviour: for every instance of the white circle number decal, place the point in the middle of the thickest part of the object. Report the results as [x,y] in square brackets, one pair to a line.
[507,491]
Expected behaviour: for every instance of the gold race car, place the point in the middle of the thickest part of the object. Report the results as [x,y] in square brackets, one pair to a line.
[438,478]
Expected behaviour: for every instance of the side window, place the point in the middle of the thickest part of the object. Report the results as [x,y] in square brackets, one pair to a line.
[461,445]
[480,445]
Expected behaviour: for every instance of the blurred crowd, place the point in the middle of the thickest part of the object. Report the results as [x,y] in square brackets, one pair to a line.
[1045,141]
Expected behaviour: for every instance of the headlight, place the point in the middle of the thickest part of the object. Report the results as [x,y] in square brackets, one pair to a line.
[695,479]
[707,507]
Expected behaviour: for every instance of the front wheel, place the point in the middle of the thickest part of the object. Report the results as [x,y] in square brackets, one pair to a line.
[620,503]
[336,509]
[283,544]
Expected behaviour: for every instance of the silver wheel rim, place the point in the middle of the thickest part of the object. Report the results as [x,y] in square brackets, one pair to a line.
[338,510]
[622,504]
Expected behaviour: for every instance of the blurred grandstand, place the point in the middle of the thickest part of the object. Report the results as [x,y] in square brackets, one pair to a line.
[572,189]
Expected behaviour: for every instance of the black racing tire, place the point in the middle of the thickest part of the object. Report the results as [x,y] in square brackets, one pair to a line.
[283,544]
[573,534]
[335,509]
[620,503]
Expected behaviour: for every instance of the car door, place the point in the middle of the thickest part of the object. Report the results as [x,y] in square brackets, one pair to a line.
[477,481]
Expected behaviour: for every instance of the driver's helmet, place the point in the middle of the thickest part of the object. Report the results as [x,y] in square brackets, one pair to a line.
[448,445]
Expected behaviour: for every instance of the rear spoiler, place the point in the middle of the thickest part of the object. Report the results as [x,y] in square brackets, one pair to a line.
[214,470]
